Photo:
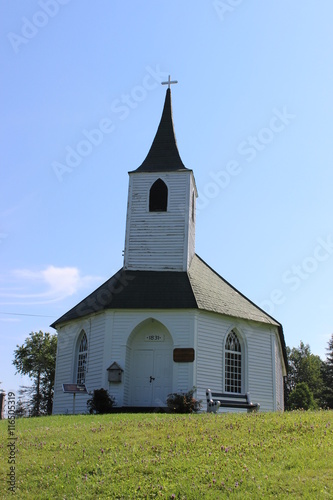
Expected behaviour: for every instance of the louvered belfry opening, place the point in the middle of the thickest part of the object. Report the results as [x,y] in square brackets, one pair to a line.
[158,197]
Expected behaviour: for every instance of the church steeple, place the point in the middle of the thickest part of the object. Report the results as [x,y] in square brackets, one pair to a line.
[163,155]
[160,226]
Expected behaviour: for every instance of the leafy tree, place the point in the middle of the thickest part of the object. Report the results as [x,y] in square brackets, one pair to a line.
[328,375]
[303,366]
[20,410]
[36,358]
[301,398]
[23,404]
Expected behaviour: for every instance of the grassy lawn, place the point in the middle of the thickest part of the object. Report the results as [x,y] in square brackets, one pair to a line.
[133,456]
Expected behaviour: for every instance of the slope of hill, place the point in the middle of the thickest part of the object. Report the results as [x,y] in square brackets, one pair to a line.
[133,456]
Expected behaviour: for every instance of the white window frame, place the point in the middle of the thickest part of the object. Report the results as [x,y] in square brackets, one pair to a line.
[82,358]
[234,384]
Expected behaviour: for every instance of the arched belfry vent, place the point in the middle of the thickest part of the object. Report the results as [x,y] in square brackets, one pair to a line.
[163,155]
[158,197]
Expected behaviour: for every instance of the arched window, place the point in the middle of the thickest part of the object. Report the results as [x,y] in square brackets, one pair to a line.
[82,359]
[233,364]
[158,197]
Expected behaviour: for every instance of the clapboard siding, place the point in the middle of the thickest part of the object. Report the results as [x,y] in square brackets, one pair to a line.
[210,335]
[278,377]
[94,375]
[123,324]
[63,403]
[122,394]
[257,357]
[191,220]
[159,240]
[67,359]
[260,368]
[111,333]
[183,377]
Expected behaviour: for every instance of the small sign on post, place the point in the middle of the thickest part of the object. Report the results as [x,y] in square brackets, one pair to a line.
[74,389]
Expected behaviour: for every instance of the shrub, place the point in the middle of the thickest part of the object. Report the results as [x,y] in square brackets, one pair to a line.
[101,402]
[183,402]
[301,398]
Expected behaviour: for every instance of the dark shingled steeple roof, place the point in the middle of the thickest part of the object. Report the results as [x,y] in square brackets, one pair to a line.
[163,155]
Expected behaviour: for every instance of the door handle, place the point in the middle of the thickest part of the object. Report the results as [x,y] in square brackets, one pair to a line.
[151,379]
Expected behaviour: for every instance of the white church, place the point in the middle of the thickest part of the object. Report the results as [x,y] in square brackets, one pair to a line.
[167,322]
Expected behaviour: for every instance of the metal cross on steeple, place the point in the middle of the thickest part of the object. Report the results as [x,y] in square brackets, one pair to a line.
[169,82]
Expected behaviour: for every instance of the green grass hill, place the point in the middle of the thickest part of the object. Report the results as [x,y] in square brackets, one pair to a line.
[134,456]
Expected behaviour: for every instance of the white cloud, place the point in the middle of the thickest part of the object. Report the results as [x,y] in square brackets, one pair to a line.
[51,284]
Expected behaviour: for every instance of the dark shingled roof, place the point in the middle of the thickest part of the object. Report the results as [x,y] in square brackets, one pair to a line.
[163,155]
[136,290]
[200,288]
[214,293]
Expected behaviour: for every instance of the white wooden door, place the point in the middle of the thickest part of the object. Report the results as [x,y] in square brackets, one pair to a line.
[151,377]
[162,385]
[143,367]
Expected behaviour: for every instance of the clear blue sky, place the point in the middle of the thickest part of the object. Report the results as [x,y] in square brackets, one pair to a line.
[253,117]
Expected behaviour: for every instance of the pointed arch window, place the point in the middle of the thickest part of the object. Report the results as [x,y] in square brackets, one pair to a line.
[158,197]
[233,364]
[82,359]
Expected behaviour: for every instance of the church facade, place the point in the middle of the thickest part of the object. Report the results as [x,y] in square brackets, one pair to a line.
[166,321]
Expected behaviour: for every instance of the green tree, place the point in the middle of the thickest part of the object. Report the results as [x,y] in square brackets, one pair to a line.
[23,403]
[25,406]
[303,366]
[328,375]
[36,358]
[301,398]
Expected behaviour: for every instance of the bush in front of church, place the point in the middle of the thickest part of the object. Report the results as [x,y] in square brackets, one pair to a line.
[101,402]
[183,402]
